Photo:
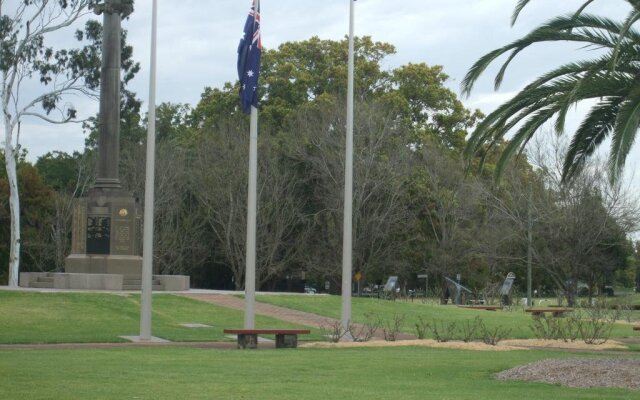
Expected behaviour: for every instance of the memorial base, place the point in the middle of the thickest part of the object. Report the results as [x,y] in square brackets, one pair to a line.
[115,282]
[103,264]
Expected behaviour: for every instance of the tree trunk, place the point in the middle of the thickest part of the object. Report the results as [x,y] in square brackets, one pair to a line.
[14,208]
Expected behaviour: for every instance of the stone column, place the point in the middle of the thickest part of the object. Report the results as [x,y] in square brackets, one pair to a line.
[107,176]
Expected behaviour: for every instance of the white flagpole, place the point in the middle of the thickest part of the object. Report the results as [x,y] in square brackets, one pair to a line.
[147,252]
[250,273]
[347,245]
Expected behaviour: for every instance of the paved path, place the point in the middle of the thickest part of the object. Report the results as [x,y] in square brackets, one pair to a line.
[281,313]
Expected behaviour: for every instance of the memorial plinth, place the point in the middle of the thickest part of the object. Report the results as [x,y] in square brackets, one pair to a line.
[105,232]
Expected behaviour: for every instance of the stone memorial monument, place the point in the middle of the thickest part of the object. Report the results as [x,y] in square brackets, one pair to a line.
[105,248]
[106,222]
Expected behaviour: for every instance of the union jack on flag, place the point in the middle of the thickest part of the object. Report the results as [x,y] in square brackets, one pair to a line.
[249,51]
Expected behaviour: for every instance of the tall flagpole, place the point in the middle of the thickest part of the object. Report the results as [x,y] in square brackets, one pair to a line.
[250,273]
[147,249]
[347,238]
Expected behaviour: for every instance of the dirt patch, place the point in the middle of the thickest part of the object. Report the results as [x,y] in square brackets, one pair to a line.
[418,342]
[579,373]
[560,344]
[505,345]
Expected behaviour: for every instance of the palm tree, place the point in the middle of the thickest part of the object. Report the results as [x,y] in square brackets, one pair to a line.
[611,79]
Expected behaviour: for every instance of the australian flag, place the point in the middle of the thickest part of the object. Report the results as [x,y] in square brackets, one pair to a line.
[249,51]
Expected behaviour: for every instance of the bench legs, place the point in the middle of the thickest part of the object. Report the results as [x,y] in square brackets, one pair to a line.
[247,341]
[286,341]
[559,314]
[283,341]
[555,314]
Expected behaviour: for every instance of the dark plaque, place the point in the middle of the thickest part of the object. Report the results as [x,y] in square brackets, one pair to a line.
[98,235]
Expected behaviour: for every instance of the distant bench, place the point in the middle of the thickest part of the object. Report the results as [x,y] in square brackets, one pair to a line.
[554,311]
[636,328]
[482,307]
[285,338]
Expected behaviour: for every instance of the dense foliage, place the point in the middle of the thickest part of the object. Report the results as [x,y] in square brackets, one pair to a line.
[415,210]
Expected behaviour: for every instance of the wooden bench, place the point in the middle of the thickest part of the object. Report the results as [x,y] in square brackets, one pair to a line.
[285,338]
[554,311]
[482,307]
[636,328]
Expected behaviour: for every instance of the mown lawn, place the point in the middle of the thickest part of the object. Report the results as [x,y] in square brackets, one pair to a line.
[516,321]
[33,317]
[364,373]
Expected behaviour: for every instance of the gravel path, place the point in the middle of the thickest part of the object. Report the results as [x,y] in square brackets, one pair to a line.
[579,372]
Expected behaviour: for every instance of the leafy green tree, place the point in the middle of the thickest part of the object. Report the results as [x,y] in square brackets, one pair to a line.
[36,214]
[434,112]
[302,111]
[611,80]
[315,70]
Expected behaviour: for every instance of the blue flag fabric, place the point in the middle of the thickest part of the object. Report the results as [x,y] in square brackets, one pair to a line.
[249,51]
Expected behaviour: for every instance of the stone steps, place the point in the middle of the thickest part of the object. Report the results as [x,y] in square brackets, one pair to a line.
[42,285]
[43,282]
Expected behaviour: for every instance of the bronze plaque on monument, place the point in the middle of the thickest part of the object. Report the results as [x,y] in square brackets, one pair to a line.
[98,234]
[124,229]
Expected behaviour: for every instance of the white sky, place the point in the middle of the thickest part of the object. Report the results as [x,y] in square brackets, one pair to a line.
[197,42]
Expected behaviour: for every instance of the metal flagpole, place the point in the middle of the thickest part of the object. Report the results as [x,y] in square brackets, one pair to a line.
[147,252]
[347,238]
[250,273]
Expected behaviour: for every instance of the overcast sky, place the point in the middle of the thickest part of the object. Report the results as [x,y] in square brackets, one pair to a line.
[197,42]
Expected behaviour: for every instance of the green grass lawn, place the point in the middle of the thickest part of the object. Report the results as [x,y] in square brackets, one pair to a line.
[32,317]
[517,321]
[364,373]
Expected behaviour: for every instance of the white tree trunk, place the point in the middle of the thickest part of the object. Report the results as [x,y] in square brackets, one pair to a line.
[14,202]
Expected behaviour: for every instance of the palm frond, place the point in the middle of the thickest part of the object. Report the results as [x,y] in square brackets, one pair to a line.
[633,17]
[523,3]
[522,137]
[624,132]
[612,78]
[582,8]
[558,29]
[516,12]
[596,126]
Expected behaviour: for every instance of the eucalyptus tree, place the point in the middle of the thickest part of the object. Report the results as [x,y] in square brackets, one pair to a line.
[611,80]
[25,59]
